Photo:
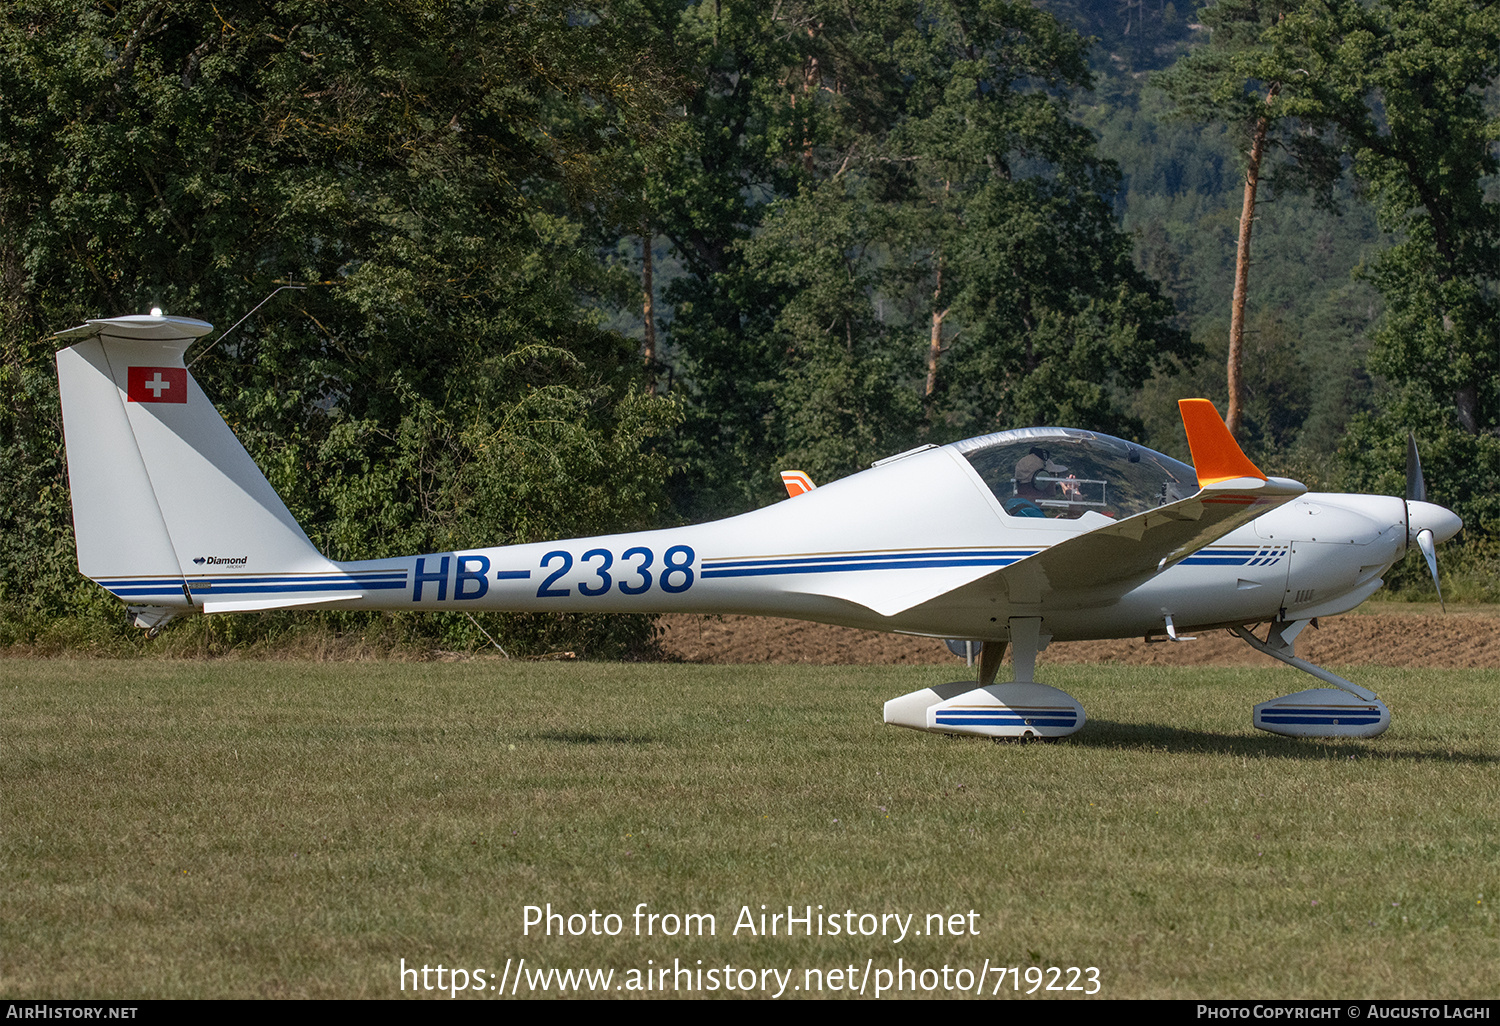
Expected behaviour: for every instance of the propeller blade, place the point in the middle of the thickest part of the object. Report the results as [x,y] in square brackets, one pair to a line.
[1416,487]
[1429,549]
[1423,519]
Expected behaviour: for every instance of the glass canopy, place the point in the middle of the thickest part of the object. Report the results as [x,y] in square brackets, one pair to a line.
[1064,472]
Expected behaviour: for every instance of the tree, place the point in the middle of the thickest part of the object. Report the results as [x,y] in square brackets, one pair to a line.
[1232,80]
[1399,89]
[741,144]
[992,275]
[844,391]
[436,173]
[913,238]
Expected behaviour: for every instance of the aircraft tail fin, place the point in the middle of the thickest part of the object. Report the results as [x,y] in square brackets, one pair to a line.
[166,502]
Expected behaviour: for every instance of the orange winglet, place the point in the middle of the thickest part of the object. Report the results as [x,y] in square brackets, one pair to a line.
[1216,455]
[796,482]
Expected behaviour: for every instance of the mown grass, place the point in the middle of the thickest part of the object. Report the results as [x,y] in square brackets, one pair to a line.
[220,829]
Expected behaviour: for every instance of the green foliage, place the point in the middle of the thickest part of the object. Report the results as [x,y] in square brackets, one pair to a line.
[706,191]
[455,182]
[928,169]
[1470,573]
[1130,37]
[844,396]
[1398,87]
[1278,389]
[1391,103]
[1227,80]
[436,174]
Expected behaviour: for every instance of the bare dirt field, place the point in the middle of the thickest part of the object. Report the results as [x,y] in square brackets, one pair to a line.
[1466,638]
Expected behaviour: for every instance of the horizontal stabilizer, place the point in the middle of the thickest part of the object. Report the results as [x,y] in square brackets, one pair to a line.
[282,601]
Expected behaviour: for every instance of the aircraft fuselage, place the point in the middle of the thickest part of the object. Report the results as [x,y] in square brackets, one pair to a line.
[816,556]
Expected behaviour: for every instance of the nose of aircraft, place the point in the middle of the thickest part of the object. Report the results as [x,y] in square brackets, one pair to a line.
[1428,516]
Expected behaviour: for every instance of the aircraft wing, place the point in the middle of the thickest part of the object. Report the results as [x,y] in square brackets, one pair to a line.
[1149,542]
[1118,555]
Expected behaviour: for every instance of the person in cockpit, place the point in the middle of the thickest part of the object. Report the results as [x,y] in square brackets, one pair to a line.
[1028,489]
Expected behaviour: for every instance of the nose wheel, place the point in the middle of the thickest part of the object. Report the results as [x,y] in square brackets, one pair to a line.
[1344,710]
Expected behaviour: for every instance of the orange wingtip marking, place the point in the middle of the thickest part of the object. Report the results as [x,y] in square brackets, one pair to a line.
[796,482]
[1216,455]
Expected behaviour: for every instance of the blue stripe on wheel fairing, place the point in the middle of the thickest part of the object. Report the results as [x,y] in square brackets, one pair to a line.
[1324,717]
[1007,717]
[1012,721]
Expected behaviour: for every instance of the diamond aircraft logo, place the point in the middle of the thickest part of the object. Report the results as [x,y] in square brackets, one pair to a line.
[222,560]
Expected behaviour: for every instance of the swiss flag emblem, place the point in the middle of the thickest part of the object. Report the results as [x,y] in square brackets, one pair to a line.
[156,384]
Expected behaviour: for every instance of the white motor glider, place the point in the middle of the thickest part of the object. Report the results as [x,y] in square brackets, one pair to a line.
[1017,538]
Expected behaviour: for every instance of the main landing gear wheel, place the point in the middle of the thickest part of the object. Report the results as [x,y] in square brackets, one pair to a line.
[1019,711]
[1013,712]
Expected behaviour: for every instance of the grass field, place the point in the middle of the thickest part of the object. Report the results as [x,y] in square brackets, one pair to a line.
[236,829]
